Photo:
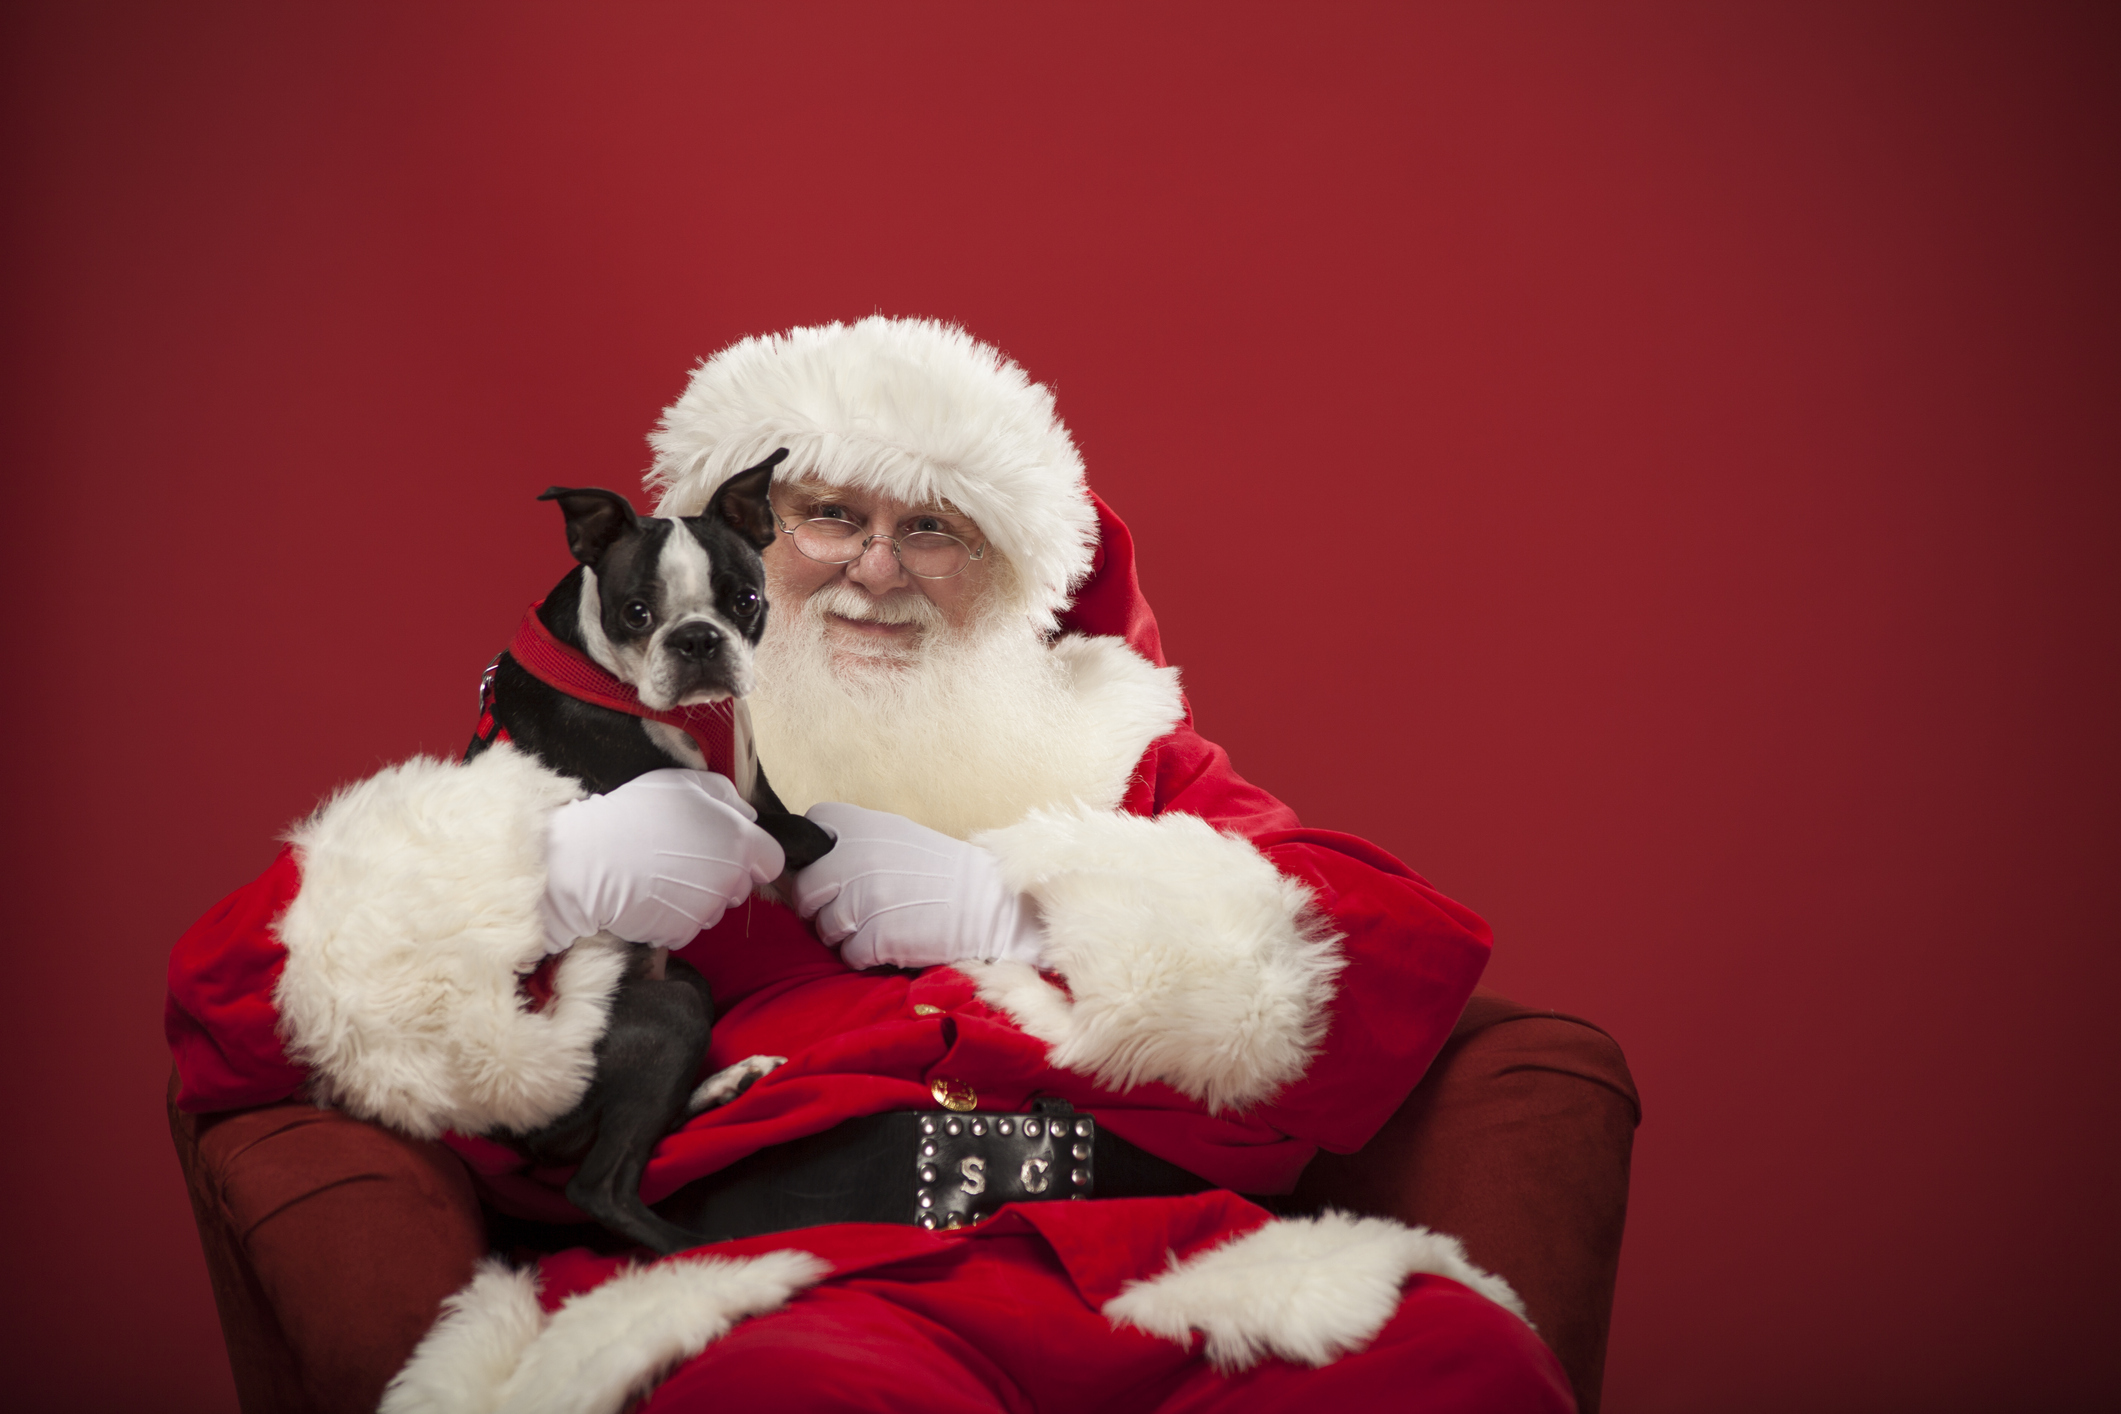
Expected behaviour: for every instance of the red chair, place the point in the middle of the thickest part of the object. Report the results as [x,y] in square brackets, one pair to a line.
[331,1242]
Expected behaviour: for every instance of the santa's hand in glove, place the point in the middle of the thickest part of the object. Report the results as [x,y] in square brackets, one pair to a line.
[895,892]
[656,861]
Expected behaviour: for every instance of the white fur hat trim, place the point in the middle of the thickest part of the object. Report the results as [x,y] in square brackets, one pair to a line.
[914,408]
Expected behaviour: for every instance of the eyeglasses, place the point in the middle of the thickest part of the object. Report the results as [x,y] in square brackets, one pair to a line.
[926,554]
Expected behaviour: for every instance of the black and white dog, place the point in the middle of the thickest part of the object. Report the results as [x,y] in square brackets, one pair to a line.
[672,607]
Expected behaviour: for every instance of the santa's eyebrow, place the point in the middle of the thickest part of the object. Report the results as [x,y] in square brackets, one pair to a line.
[823,493]
[815,491]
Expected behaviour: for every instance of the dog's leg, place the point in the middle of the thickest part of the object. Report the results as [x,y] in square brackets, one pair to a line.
[649,1053]
[802,841]
[729,1082]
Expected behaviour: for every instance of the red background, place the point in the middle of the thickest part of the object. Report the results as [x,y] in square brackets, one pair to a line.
[1651,465]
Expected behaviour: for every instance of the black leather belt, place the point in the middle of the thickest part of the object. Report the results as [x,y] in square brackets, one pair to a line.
[931,1168]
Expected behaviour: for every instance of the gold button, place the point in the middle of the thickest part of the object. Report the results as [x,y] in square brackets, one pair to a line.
[954,1095]
[923,1009]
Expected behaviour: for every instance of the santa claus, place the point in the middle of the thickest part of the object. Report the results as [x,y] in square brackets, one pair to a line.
[1049,896]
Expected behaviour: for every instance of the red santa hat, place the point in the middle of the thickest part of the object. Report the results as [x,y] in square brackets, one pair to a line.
[914,408]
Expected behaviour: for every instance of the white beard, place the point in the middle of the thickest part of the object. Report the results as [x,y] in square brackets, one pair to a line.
[963,730]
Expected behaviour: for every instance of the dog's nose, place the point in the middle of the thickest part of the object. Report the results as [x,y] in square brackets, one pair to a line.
[695,642]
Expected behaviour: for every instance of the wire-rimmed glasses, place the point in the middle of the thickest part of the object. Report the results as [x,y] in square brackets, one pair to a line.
[926,554]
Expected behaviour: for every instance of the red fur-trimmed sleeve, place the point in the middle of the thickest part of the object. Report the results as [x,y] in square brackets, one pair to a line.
[1412,955]
[1212,943]
[219,1018]
[377,964]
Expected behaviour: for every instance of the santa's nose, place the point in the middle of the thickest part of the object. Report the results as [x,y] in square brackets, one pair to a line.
[877,569]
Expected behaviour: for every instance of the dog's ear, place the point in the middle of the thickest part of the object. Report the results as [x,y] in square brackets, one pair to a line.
[742,502]
[596,519]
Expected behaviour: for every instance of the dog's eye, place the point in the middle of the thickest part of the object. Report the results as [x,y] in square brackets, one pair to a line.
[637,615]
[745,602]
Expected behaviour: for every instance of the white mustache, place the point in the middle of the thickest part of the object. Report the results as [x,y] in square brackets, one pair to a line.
[848,602]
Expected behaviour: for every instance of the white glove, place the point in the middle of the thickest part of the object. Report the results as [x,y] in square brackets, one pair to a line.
[892,891]
[655,861]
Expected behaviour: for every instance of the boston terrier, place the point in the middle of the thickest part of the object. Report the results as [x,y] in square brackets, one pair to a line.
[650,633]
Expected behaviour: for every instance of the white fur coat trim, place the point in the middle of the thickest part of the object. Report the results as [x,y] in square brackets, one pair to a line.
[1307,1290]
[1128,703]
[419,908]
[466,1358]
[915,408]
[493,1351]
[1189,957]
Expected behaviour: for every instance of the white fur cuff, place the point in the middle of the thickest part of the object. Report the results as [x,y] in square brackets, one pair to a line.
[1190,958]
[1307,1290]
[419,908]
[495,1352]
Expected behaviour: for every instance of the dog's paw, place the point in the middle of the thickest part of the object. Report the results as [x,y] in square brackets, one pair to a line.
[729,1082]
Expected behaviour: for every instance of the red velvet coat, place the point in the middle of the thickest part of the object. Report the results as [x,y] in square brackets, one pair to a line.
[859,1043]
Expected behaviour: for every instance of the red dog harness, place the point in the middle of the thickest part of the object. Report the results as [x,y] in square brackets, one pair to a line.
[712,725]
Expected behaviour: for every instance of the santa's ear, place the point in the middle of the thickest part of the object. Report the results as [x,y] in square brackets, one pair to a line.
[742,502]
[596,519]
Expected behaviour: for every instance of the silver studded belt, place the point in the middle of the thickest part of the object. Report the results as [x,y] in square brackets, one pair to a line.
[933,1168]
[968,1165]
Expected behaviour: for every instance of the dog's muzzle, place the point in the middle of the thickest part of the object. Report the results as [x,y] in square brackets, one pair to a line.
[721,668]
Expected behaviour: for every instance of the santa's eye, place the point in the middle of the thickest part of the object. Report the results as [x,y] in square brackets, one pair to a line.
[637,615]
[830,512]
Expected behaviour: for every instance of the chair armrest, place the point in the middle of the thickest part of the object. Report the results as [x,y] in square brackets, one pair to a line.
[330,1244]
[1517,1143]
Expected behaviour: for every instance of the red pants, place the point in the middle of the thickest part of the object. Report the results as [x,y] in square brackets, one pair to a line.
[997,1325]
